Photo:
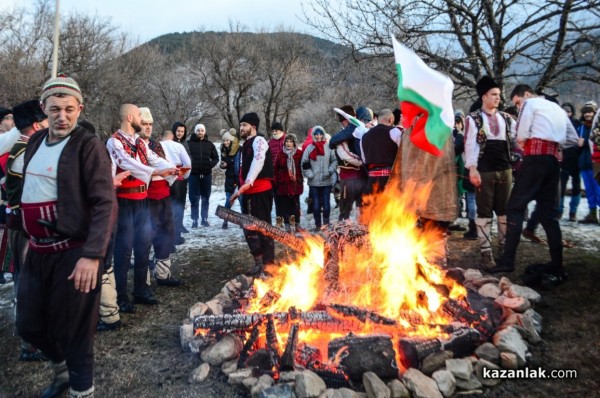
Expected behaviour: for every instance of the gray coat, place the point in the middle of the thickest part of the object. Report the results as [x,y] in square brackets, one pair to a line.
[322,172]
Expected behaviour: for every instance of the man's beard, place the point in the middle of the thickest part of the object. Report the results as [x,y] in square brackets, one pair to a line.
[136,127]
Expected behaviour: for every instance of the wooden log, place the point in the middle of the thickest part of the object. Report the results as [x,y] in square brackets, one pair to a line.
[333,376]
[287,359]
[307,354]
[373,353]
[249,222]
[272,348]
[249,345]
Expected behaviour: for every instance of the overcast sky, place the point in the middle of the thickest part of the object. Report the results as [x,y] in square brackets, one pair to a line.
[146,19]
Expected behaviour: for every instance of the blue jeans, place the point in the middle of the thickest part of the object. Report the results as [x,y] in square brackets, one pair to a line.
[321,199]
[200,188]
[592,189]
[228,199]
[471,205]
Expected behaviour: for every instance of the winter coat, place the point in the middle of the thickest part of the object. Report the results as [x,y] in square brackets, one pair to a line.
[320,172]
[276,146]
[228,156]
[283,182]
[585,154]
[204,155]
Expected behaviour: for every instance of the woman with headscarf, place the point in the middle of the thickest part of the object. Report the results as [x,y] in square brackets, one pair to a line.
[289,181]
[319,167]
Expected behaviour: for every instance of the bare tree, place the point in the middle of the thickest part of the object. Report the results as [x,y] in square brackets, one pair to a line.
[545,42]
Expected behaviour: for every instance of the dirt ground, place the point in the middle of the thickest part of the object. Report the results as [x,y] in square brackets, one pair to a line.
[144,358]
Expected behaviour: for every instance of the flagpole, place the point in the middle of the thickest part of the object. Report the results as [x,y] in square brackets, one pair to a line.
[56,38]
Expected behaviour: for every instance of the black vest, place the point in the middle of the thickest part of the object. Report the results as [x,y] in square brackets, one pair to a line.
[378,147]
[248,156]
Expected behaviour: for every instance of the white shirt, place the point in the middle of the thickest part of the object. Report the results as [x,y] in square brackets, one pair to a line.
[395,135]
[8,139]
[138,170]
[176,154]
[543,119]
[471,146]
[260,147]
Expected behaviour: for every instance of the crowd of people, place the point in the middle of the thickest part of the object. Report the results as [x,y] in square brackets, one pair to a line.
[75,209]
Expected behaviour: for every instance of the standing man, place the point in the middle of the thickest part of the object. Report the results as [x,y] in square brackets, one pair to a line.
[204,157]
[69,217]
[542,127]
[161,211]
[379,147]
[256,188]
[176,154]
[179,187]
[488,154]
[130,153]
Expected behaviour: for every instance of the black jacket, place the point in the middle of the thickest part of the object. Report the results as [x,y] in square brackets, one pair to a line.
[204,155]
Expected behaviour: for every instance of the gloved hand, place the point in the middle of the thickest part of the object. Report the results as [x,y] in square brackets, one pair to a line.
[306,166]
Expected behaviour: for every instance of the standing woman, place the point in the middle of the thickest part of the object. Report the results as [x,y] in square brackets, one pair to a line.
[319,166]
[229,148]
[289,181]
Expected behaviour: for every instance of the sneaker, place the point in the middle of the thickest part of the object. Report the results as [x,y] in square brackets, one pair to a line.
[170,281]
[205,223]
[126,306]
[225,225]
[102,326]
[591,218]
[194,224]
[34,355]
[180,240]
[572,216]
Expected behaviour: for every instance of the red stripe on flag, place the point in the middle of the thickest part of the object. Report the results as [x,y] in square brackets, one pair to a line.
[418,136]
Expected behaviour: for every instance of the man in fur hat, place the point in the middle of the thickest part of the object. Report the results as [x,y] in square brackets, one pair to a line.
[488,153]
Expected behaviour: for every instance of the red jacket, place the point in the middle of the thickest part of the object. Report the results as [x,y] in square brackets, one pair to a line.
[283,182]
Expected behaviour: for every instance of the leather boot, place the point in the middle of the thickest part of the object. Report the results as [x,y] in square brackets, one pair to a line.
[60,382]
[471,234]
[591,218]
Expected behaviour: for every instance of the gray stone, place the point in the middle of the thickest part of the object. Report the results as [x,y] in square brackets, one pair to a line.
[197,309]
[331,393]
[215,307]
[435,361]
[420,385]
[525,292]
[229,366]
[374,386]
[308,385]
[468,385]
[239,375]
[488,352]
[536,318]
[490,290]
[278,391]
[249,382]
[518,304]
[228,347]
[461,368]
[398,389]
[510,340]
[485,280]
[445,381]
[482,365]
[346,393]
[200,373]
[529,331]
[508,360]
[286,377]
[186,334]
[264,382]
[504,283]
[472,275]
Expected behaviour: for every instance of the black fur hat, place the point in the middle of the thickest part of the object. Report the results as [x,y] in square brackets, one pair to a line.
[27,113]
[484,85]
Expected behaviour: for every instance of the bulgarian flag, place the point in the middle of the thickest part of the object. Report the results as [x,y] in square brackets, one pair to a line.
[426,92]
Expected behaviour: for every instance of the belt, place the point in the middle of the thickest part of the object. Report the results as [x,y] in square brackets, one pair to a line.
[138,189]
[380,173]
[52,239]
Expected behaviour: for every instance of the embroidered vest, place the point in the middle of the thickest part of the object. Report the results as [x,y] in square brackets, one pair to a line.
[482,137]
[132,188]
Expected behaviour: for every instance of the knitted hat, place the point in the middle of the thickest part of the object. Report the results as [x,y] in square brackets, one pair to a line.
[484,85]
[589,106]
[61,85]
[146,115]
[291,137]
[27,113]
[277,126]
[227,136]
[198,127]
[251,118]
[318,130]
[363,114]
[4,112]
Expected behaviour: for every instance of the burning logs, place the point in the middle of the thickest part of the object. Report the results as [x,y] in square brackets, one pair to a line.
[359,354]
[247,221]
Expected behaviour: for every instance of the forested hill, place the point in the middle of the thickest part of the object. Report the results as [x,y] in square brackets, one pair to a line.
[173,42]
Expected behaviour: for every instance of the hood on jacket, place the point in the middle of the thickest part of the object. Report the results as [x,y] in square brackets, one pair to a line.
[174,129]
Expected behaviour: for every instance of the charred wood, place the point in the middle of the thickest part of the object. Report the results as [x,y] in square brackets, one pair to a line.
[287,359]
[249,345]
[249,222]
[307,354]
[271,333]
[333,376]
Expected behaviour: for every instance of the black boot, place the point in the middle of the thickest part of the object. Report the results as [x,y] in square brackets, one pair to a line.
[471,234]
[225,225]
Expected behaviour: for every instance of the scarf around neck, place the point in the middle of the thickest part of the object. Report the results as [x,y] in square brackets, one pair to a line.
[319,150]
[291,166]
